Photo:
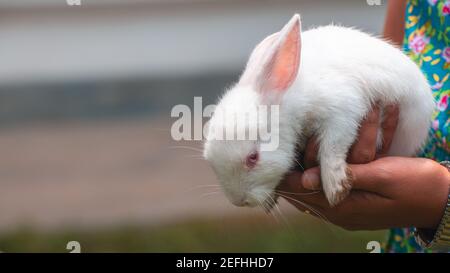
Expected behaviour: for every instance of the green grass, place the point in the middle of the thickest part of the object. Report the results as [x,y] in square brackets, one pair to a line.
[249,234]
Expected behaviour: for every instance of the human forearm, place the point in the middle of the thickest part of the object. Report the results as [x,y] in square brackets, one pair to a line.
[395,21]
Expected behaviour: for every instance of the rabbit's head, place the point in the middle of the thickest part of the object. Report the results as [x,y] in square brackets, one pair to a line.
[250,168]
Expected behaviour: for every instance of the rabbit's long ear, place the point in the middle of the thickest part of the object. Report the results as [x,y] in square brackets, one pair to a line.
[274,64]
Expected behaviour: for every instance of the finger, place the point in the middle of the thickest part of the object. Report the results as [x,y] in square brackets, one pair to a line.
[288,189]
[310,157]
[301,182]
[292,188]
[311,179]
[391,116]
[364,150]
[292,183]
[369,177]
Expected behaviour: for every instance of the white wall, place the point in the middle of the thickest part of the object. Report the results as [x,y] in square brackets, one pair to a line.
[52,42]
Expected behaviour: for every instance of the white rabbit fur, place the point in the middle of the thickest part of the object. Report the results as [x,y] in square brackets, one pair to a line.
[341,73]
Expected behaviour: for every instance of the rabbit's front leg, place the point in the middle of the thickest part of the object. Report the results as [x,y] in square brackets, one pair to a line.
[336,138]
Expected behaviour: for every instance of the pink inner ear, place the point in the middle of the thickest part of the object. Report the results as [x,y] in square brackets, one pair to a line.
[283,67]
[286,61]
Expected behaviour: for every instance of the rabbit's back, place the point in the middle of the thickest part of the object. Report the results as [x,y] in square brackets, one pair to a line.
[345,70]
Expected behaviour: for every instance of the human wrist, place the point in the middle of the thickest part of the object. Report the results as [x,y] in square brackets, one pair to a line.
[437,236]
[441,203]
[438,178]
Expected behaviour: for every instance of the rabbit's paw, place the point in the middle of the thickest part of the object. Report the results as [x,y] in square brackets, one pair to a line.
[337,183]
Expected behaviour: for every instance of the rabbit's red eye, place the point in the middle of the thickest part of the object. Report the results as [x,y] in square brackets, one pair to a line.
[252,159]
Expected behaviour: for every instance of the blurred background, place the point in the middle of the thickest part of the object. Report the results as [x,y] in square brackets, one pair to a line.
[85,147]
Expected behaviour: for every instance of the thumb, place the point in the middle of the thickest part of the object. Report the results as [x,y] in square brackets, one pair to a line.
[311,179]
[364,177]
[361,176]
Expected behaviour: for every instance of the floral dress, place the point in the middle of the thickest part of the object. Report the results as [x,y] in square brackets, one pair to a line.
[426,42]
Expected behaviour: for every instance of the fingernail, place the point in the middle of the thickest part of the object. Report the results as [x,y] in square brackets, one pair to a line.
[311,181]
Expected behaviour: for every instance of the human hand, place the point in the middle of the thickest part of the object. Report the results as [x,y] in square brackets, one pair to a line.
[364,201]
[388,192]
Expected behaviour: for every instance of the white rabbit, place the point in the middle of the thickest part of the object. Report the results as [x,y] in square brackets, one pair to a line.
[325,80]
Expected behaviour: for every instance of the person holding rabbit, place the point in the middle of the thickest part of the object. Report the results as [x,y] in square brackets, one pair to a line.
[410,196]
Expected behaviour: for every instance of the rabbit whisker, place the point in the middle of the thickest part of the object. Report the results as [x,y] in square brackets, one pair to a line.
[298,193]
